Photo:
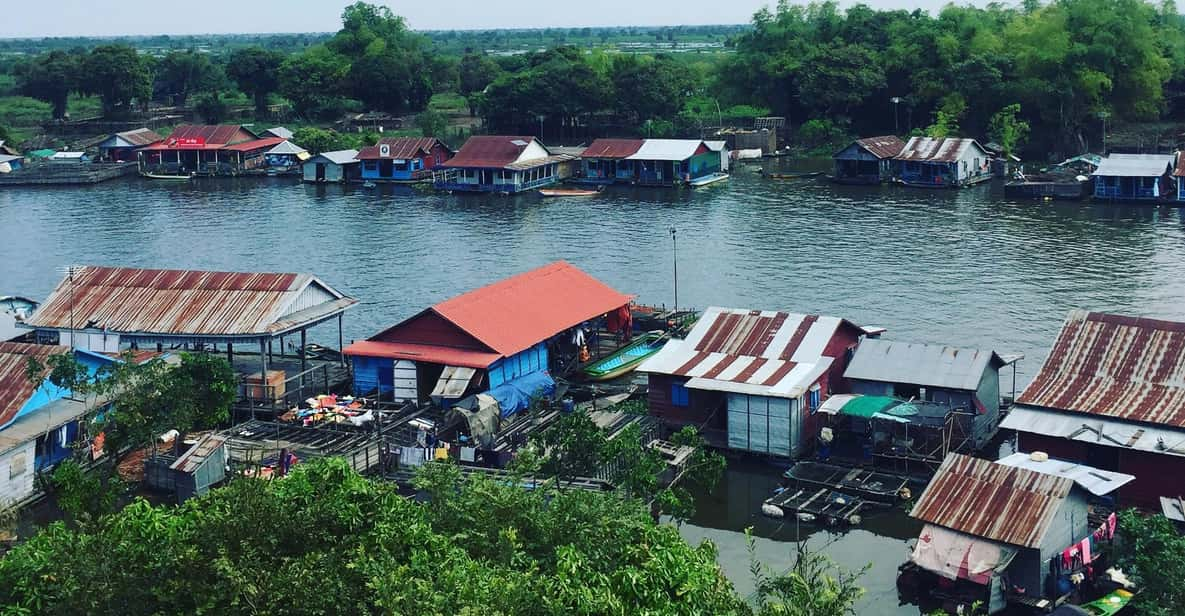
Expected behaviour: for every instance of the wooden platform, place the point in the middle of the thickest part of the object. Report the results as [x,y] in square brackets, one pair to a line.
[870,485]
[823,505]
[51,174]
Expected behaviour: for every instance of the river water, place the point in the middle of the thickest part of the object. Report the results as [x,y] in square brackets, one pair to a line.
[967,268]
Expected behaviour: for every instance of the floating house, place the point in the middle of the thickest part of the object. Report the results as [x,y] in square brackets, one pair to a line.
[39,422]
[71,158]
[338,166]
[867,161]
[110,309]
[752,380]
[10,163]
[285,156]
[278,131]
[965,380]
[1000,532]
[1111,394]
[1179,176]
[403,159]
[499,339]
[14,309]
[948,162]
[721,148]
[1135,177]
[604,161]
[498,163]
[125,146]
[668,162]
[224,149]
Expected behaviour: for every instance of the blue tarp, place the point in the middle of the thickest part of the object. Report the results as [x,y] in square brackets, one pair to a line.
[514,396]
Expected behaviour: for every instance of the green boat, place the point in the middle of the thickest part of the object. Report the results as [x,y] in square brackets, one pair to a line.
[1109,604]
[626,358]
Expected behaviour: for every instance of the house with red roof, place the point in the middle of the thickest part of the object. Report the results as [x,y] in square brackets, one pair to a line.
[223,149]
[497,339]
[604,161]
[403,159]
[1111,394]
[501,163]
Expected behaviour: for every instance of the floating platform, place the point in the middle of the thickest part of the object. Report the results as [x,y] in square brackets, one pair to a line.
[53,174]
[1070,190]
[809,505]
[878,487]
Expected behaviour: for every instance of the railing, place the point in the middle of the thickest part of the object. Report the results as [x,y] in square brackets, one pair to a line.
[313,381]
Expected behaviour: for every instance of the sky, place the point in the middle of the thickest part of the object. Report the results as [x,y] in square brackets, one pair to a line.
[131,17]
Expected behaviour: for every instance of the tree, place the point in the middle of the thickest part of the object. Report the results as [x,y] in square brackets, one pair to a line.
[475,72]
[648,88]
[1149,551]
[391,81]
[1007,130]
[212,107]
[118,75]
[51,78]
[432,123]
[318,140]
[256,72]
[313,81]
[813,586]
[181,73]
[946,119]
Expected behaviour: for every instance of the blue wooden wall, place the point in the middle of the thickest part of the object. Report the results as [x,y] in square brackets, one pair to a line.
[531,360]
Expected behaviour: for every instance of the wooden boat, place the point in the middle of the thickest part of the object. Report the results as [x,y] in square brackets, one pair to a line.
[1109,604]
[568,192]
[879,487]
[625,359]
[812,505]
[163,176]
[708,179]
[792,176]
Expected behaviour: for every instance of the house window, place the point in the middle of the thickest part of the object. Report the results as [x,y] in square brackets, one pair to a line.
[679,395]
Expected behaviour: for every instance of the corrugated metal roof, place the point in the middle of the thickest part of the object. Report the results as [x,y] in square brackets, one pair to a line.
[1095,430]
[183,302]
[997,502]
[193,458]
[756,352]
[667,149]
[1115,366]
[886,146]
[937,150]
[612,148]
[930,365]
[490,151]
[254,144]
[212,134]
[513,314]
[139,136]
[338,157]
[1093,480]
[449,356]
[535,162]
[1135,165]
[716,146]
[400,148]
[15,388]
[279,131]
[287,147]
[8,158]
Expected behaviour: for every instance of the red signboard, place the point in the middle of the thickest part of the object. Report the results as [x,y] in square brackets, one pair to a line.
[191,142]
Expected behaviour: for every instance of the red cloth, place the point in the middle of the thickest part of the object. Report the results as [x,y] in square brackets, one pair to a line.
[618,320]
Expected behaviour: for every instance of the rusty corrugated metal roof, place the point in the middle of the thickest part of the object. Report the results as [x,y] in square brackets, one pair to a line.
[183,302]
[612,148]
[15,387]
[400,147]
[931,365]
[886,146]
[751,351]
[139,136]
[1116,366]
[490,151]
[937,150]
[213,136]
[1002,503]
[516,313]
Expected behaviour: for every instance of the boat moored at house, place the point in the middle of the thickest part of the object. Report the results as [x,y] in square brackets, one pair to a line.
[500,164]
[944,162]
[403,159]
[867,161]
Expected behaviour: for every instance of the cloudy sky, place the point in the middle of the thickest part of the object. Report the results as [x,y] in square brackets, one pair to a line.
[87,17]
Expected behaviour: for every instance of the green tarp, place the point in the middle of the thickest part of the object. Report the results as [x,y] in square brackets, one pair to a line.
[867,406]
[40,153]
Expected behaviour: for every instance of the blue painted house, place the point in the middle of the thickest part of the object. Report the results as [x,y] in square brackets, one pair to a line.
[501,339]
[604,161]
[1135,177]
[500,163]
[666,162]
[39,423]
[403,159]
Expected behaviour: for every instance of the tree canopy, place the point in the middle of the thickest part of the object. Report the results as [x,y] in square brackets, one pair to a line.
[119,75]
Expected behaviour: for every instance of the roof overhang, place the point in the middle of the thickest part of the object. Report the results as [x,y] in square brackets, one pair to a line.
[1096,430]
[450,356]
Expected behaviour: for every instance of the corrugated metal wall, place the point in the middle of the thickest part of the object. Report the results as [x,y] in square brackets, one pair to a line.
[372,374]
[763,425]
[507,369]
[313,295]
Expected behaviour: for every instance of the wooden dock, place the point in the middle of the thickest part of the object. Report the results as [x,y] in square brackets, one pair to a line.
[873,486]
[823,505]
[56,174]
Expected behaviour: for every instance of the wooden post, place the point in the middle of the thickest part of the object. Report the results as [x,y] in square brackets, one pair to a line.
[341,347]
[230,353]
[303,362]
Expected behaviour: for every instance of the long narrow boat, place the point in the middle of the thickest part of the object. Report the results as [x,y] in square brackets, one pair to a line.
[626,358]
[793,176]
[711,178]
[567,192]
[163,176]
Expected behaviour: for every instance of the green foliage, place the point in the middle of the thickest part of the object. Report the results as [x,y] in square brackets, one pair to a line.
[118,75]
[475,72]
[317,140]
[814,585]
[326,541]
[212,107]
[1149,551]
[51,78]
[82,495]
[821,136]
[946,119]
[391,80]
[313,81]
[181,73]
[256,71]
[1005,129]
